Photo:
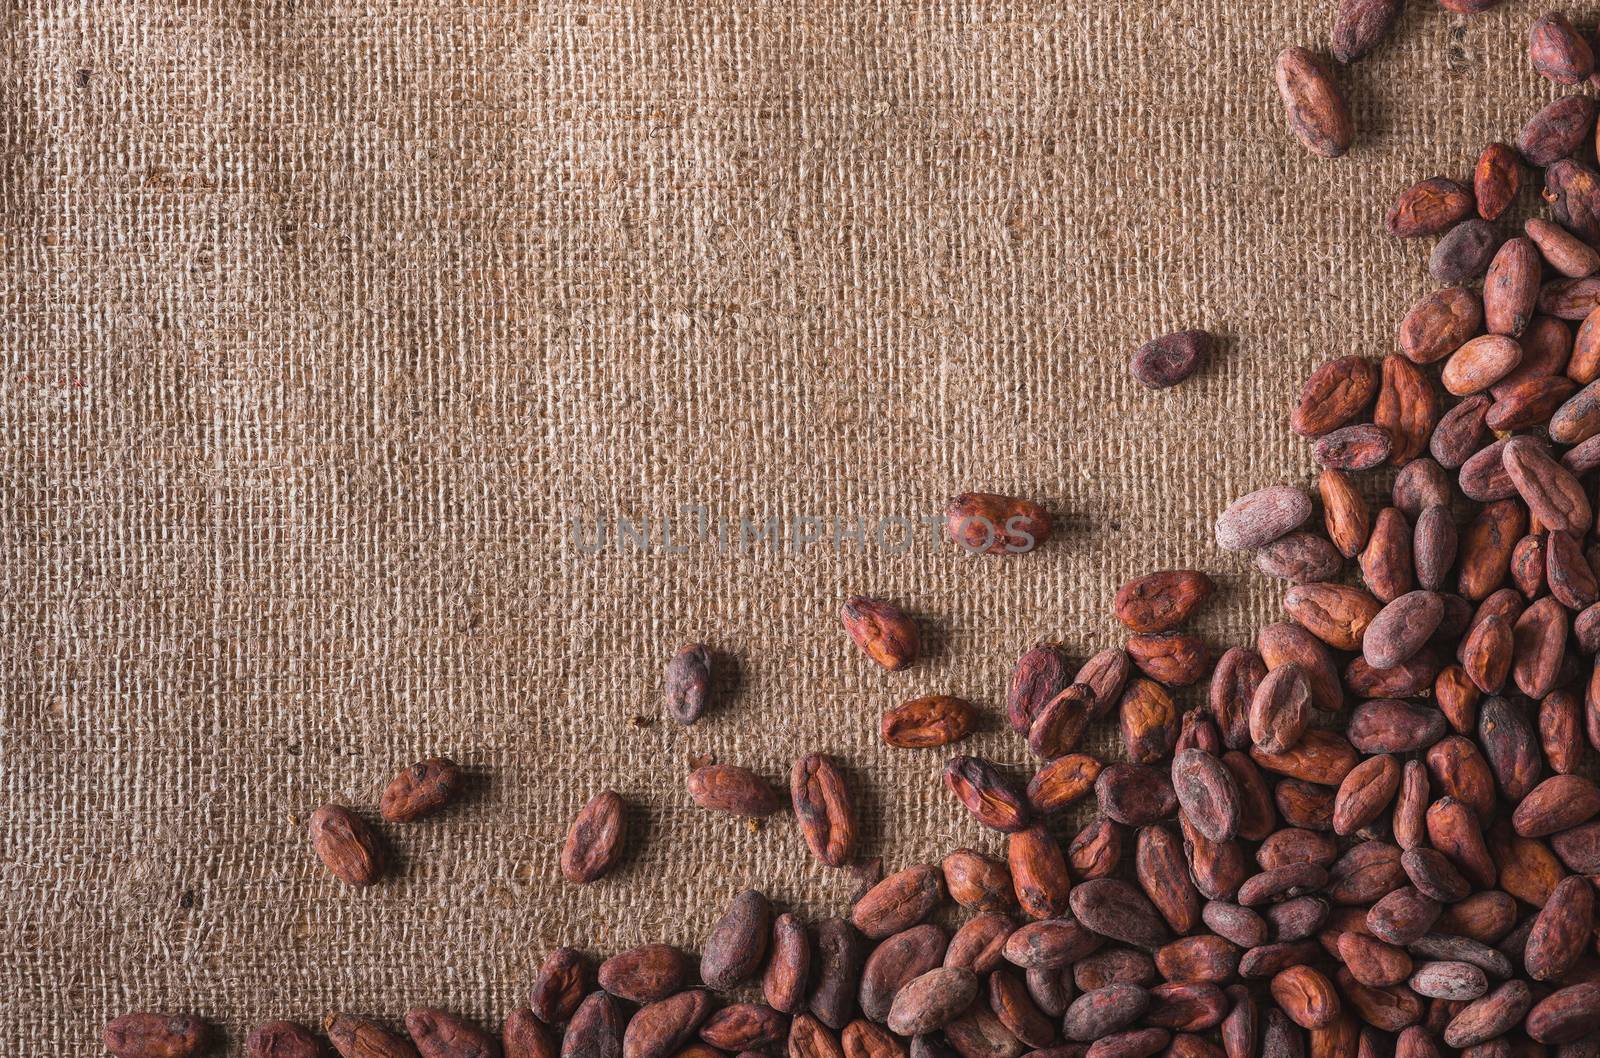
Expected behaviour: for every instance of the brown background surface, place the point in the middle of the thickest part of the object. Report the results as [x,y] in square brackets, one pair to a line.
[322,318]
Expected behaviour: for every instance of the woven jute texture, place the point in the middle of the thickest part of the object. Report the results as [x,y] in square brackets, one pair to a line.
[325,322]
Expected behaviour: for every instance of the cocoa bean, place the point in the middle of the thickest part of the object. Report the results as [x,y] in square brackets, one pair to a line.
[689,682]
[422,789]
[882,631]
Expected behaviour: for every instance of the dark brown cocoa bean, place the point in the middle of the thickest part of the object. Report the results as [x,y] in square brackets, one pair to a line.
[1039,676]
[1168,360]
[688,683]
[840,954]
[1113,908]
[1464,252]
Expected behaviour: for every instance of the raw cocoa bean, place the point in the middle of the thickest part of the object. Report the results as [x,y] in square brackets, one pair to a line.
[1387,564]
[1321,756]
[882,631]
[1437,326]
[1039,676]
[1039,873]
[1365,793]
[422,789]
[1337,392]
[1106,1010]
[560,985]
[346,845]
[840,954]
[1059,726]
[1434,875]
[148,1035]
[1262,517]
[286,1039]
[1176,659]
[1485,360]
[1539,640]
[1061,783]
[1366,873]
[1162,872]
[595,1031]
[809,1037]
[823,807]
[1556,130]
[1170,359]
[1149,721]
[1567,572]
[1408,404]
[987,794]
[932,1000]
[1345,514]
[689,682]
[1337,614]
[645,974]
[1387,725]
[1496,180]
[988,523]
[1238,673]
[1566,1015]
[979,1034]
[1316,109]
[1460,432]
[1558,803]
[744,1027]
[929,721]
[1359,447]
[659,1029]
[897,961]
[977,881]
[1485,549]
[1428,207]
[1160,602]
[733,789]
[352,1037]
[1573,193]
[1561,930]
[1113,908]
[1201,959]
[863,1039]
[1464,253]
[1558,51]
[1096,850]
[1358,27]
[1135,794]
[1010,1002]
[1400,629]
[594,840]
[1306,997]
[737,944]
[980,944]
[442,1034]
[1206,792]
[1299,557]
[1489,1017]
[1402,916]
[1051,943]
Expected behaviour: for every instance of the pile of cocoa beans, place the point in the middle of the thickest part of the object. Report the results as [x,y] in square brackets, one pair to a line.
[1374,838]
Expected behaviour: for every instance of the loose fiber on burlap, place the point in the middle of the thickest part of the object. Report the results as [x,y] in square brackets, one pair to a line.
[325,322]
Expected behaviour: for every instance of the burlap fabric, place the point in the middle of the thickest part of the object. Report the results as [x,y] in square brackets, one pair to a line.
[323,320]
